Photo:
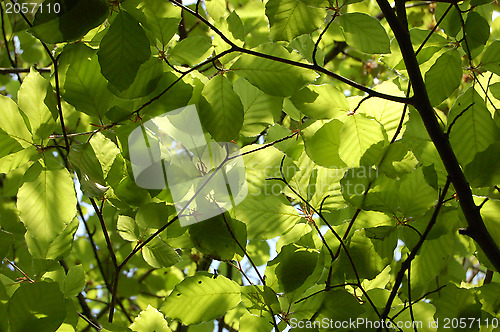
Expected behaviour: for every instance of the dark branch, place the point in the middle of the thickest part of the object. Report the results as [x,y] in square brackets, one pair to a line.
[476,228]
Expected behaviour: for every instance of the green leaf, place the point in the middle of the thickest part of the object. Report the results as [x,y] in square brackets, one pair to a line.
[415,196]
[191,50]
[484,169]
[431,259]
[124,48]
[47,204]
[105,150]
[263,164]
[295,265]
[365,33]
[83,158]
[91,177]
[451,22]
[217,239]
[323,146]
[495,90]
[235,26]
[36,306]
[16,159]
[127,228]
[266,216]
[15,127]
[62,244]
[159,254]
[369,252]
[261,110]
[477,31]
[201,298]
[216,9]
[491,58]
[444,77]
[398,160]
[6,240]
[320,101]
[38,102]
[253,323]
[422,312]
[153,215]
[74,281]
[291,18]
[387,113]
[381,195]
[473,129]
[490,212]
[84,86]
[161,18]
[223,117]
[74,19]
[150,319]
[259,251]
[273,77]
[145,82]
[340,305]
[357,135]
[456,302]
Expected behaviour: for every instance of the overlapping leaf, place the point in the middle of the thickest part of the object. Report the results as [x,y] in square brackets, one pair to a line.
[364,33]
[291,18]
[201,298]
[223,117]
[123,50]
[59,21]
[273,77]
[472,128]
[444,77]
[47,204]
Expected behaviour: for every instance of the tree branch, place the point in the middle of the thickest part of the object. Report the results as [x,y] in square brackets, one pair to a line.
[476,228]
[314,67]
[7,71]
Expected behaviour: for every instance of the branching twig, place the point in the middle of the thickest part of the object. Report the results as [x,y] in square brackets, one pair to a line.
[315,67]
[476,228]
[56,79]
[406,264]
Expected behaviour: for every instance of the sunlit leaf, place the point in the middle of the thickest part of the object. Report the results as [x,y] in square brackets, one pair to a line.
[444,77]
[272,77]
[223,117]
[47,204]
[201,298]
[291,18]
[364,33]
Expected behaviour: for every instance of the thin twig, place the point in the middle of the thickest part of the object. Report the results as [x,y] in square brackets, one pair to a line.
[414,251]
[7,71]
[13,61]
[56,79]
[317,68]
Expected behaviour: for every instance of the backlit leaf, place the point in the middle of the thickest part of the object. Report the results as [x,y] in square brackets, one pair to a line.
[47,204]
[36,306]
[444,76]
[123,50]
[201,298]
[291,18]
[364,33]
[223,117]
[274,78]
